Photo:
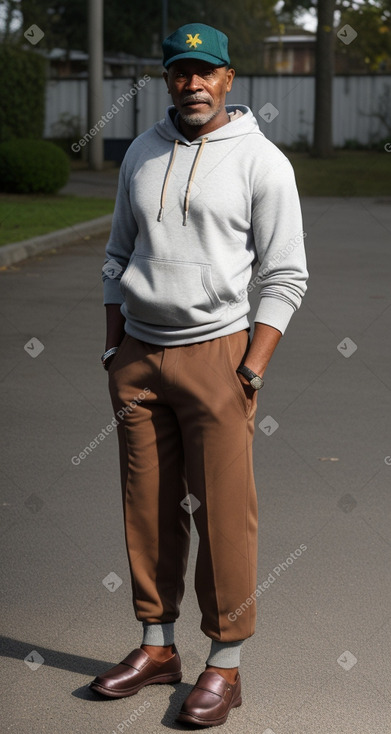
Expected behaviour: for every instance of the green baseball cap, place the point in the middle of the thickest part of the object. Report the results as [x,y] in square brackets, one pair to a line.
[196,41]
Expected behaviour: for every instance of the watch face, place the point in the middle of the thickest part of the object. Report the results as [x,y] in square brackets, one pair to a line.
[256,382]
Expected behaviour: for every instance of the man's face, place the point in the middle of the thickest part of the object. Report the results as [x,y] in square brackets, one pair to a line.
[198,91]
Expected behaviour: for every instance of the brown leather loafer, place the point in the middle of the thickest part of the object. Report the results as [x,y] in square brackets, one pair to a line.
[134,672]
[211,700]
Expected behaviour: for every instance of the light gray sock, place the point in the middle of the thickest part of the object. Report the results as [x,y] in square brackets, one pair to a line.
[158,634]
[225,654]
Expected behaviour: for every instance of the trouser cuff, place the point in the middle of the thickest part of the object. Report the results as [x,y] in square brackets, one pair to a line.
[158,634]
[225,654]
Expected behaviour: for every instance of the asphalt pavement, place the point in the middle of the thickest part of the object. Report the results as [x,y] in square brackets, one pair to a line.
[319,662]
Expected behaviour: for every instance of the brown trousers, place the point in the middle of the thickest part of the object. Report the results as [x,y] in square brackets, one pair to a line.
[189,430]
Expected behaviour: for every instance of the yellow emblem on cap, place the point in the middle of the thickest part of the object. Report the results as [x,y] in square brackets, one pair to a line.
[193,40]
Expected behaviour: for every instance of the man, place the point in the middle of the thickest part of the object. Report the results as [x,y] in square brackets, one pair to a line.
[203,197]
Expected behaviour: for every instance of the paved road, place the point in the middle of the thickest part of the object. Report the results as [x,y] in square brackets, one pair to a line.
[319,662]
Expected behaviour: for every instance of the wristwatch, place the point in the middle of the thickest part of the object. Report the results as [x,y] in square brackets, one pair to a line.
[255,380]
[109,353]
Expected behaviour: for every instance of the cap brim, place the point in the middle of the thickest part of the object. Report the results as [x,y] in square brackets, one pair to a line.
[199,55]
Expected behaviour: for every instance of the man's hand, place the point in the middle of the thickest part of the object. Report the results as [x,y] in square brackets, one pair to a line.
[263,344]
[115,331]
[248,389]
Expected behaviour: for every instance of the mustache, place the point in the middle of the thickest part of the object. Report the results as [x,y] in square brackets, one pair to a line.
[190,98]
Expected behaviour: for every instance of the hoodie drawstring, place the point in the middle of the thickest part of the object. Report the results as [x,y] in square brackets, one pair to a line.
[165,183]
[189,183]
[191,179]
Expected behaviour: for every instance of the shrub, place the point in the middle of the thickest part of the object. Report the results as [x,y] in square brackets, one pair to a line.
[32,166]
[23,80]
[353,144]
[379,145]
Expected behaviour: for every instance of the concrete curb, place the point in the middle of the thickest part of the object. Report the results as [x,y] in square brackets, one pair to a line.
[17,251]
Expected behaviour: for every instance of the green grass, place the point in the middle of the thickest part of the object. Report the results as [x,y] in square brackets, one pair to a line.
[22,217]
[350,173]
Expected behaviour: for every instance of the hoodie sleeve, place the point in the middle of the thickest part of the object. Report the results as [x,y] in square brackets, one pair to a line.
[279,239]
[121,241]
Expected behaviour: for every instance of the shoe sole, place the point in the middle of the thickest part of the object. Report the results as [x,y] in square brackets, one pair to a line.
[112,693]
[190,719]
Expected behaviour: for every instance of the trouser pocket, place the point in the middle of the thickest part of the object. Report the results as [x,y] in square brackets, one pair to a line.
[238,345]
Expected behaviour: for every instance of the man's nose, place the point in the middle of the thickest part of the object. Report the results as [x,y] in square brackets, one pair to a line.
[193,82]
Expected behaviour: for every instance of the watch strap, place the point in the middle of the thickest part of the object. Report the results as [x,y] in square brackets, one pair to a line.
[250,376]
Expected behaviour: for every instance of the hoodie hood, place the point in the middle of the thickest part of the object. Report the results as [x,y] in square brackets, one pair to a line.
[240,124]
[243,125]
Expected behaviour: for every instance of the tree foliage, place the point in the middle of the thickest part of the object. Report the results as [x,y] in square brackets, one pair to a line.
[246,24]
[371,19]
[136,27]
[23,79]
[372,47]
[64,22]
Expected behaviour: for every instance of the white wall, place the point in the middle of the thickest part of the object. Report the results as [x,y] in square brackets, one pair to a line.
[355,98]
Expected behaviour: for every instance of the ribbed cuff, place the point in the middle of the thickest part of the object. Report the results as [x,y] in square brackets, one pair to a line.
[158,634]
[225,654]
[274,312]
[111,291]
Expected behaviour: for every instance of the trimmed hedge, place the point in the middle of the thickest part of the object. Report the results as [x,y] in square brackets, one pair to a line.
[23,80]
[32,166]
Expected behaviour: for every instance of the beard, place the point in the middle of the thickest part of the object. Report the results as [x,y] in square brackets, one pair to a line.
[197,119]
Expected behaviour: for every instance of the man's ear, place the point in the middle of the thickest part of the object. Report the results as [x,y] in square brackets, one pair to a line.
[230,78]
[165,77]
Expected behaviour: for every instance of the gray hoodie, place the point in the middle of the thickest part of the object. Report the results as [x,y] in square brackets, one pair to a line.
[192,221]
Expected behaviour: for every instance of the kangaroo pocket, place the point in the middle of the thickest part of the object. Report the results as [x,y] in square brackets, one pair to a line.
[170,292]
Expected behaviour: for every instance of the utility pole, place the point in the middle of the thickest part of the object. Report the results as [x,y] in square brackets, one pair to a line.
[95,82]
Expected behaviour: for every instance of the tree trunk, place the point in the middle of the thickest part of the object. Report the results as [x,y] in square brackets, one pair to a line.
[324,71]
